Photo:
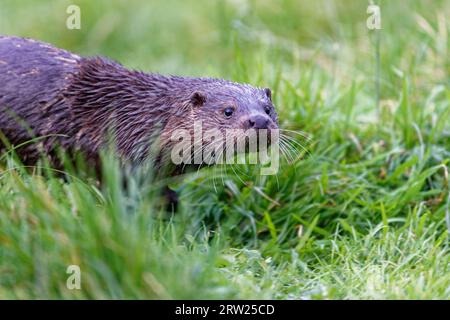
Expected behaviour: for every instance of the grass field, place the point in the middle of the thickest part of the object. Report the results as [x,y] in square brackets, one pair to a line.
[363,215]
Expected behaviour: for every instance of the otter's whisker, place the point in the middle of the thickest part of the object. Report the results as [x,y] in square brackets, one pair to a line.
[284,151]
[237,176]
[300,133]
[297,154]
[289,146]
[292,140]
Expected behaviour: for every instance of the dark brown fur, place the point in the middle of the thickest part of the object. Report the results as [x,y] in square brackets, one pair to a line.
[75,102]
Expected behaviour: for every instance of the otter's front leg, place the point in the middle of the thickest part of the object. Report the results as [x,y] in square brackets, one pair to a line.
[171,199]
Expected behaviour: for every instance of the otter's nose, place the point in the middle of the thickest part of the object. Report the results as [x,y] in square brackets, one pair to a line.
[258,122]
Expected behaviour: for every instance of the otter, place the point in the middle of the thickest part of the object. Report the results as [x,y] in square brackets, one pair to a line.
[72,102]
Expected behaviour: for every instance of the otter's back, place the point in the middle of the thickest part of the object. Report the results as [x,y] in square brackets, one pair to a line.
[32,77]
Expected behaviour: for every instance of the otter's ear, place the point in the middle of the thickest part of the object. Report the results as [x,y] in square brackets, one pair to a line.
[268,93]
[198,98]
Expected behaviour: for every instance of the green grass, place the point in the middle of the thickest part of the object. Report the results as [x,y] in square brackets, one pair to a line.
[365,215]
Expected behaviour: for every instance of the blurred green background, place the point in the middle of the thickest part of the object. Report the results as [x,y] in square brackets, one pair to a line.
[200,37]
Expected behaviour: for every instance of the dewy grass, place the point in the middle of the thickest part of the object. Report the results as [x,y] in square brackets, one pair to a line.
[362,214]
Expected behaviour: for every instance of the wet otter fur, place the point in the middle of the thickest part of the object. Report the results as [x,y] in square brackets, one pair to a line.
[73,102]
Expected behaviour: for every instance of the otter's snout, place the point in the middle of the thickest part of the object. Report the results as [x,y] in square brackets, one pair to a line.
[257,122]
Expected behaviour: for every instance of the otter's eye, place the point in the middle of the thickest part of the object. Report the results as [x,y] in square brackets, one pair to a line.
[267,109]
[228,112]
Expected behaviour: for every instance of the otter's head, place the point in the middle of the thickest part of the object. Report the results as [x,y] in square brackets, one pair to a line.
[225,105]
[243,115]
[223,112]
